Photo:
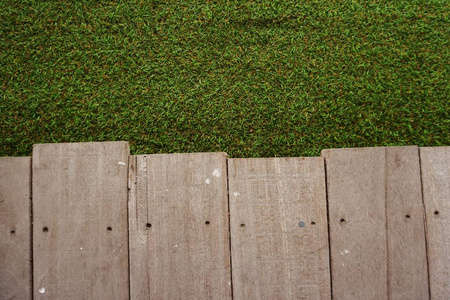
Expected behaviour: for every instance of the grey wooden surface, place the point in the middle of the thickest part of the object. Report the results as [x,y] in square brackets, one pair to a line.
[15,228]
[177,228]
[178,224]
[435,164]
[80,241]
[279,240]
[377,235]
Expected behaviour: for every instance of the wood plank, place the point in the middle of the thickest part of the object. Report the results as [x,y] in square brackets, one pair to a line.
[80,241]
[435,164]
[356,207]
[407,256]
[179,230]
[15,228]
[377,238]
[279,239]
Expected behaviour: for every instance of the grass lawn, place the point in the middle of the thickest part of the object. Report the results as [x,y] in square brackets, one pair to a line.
[261,78]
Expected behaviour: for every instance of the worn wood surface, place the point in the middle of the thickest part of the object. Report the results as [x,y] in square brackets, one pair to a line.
[435,164]
[178,223]
[356,207]
[15,228]
[80,242]
[377,237]
[279,228]
[407,256]
[179,230]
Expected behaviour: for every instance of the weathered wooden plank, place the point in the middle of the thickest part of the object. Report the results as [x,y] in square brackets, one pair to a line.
[435,164]
[279,240]
[356,207]
[377,236]
[80,241]
[15,228]
[179,230]
[407,257]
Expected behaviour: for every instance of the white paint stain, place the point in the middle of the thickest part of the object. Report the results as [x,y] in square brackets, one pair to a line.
[217,173]
[236,194]
[176,246]
[229,282]
[122,163]
[208,181]
[42,290]
[345,252]
[81,248]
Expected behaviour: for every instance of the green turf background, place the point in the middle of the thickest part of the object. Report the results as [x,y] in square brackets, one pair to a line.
[261,78]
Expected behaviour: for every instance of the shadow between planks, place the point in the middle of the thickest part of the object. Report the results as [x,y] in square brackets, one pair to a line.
[91,221]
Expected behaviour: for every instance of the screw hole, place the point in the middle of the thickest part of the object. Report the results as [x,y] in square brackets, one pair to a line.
[207,222]
[109,229]
[313,223]
[13,232]
[45,229]
[436,213]
[342,221]
[242,226]
[407,216]
[148,225]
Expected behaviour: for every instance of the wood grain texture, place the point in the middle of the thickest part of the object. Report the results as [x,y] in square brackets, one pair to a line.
[15,228]
[179,230]
[377,235]
[407,257]
[80,241]
[435,164]
[279,228]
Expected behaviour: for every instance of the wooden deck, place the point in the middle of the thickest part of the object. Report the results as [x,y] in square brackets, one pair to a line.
[91,221]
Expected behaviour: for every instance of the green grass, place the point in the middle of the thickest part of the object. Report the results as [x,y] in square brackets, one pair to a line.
[263,78]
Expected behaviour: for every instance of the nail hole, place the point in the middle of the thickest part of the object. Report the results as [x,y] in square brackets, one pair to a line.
[436,212]
[207,222]
[45,229]
[13,232]
[408,216]
[148,225]
[242,226]
[342,221]
[313,223]
[109,229]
